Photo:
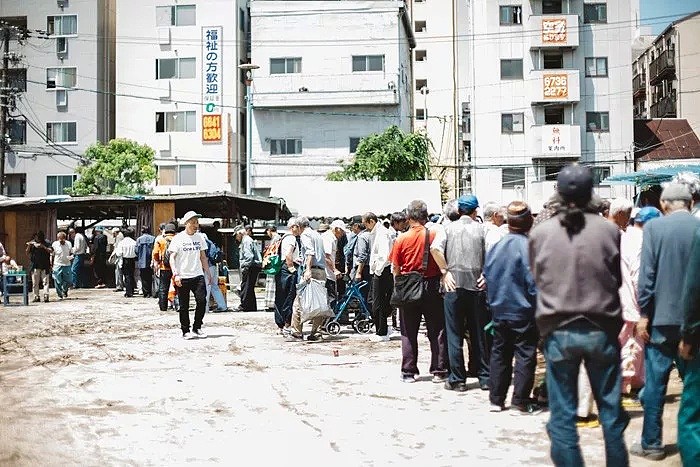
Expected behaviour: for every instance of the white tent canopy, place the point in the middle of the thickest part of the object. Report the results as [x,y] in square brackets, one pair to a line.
[348,199]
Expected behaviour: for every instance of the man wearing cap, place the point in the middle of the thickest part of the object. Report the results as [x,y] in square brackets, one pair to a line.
[575,261]
[165,274]
[382,278]
[459,252]
[665,252]
[189,264]
[144,253]
[99,257]
[330,247]
[250,262]
[512,296]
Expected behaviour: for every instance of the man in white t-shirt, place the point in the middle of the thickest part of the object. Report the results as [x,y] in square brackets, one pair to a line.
[189,264]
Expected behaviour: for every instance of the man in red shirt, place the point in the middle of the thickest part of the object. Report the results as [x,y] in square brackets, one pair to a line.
[406,256]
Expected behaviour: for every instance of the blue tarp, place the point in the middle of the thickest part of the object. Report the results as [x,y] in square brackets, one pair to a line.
[651,176]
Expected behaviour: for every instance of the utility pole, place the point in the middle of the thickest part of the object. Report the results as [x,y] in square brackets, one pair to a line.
[4,103]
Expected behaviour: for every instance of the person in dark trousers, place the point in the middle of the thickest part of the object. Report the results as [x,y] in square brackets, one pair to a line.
[189,264]
[126,250]
[340,263]
[39,251]
[162,263]
[250,262]
[382,277]
[459,250]
[575,260]
[288,277]
[512,296]
[99,257]
[144,253]
[360,262]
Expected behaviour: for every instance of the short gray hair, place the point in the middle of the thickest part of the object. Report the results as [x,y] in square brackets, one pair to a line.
[619,205]
[292,222]
[417,210]
[303,222]
[491,209]
[450,208]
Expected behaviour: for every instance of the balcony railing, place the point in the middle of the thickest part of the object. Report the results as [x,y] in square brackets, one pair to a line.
[663,66]
[664,107]
[639,85]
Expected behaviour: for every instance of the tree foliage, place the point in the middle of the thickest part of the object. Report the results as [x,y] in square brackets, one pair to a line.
[389,156]
[120,167]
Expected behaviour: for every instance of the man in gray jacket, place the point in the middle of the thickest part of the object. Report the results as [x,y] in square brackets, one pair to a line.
[250,262]
[665,251]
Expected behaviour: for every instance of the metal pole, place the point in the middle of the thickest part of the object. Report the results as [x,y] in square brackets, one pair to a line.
[249,134]
[4,102]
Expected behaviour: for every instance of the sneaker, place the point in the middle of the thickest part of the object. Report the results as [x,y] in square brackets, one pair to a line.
[36,300]
[188,336]
[528,408]
[200,333]
[409,378]
[439,378]
[484,386]
[587,422]
[631,402]
[46,299]
[100,286]
[295,335]
[313,337]
[651,454]
[459,386]
[496,408]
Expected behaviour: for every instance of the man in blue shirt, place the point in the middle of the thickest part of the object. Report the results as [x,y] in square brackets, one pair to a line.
[144,251]
[512,296]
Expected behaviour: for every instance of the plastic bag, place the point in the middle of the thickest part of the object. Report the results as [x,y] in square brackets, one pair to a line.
[313,300]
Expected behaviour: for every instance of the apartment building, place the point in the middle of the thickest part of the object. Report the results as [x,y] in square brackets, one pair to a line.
[666,75]
[179,89]
[551,84]
[330,73]
[441,67]
[64,85]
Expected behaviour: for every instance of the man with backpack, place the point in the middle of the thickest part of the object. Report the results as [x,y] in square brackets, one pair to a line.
[214,256]
[250,263]
[161,258]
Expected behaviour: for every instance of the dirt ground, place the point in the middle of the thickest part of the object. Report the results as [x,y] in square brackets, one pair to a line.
[99,379]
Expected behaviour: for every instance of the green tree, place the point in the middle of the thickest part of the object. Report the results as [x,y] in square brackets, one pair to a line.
[120,167]
[389,156]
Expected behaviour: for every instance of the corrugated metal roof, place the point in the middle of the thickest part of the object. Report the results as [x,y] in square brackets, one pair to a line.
[665,139]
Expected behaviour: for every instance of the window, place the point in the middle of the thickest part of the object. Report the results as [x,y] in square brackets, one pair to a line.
[597,121]
[421,26]
[512,69]
[596,66]
[17,131]
[595,13]
[600,174]
[368,63]
[175,68]
[512,123]
[285,147]
[61,132]
[183,175]
[421,83]
[354,142]
[167,122]
[554,115]
[60,78]
[176,15]
[511,15]
[421,55]
[17,79]
[280,66]
[551,7]
[15,185]
[553,60]
[512,177]
[65,25]
[420,114]
[548,169]
[57,184]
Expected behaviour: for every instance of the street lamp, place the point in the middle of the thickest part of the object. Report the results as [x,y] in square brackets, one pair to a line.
[248,68]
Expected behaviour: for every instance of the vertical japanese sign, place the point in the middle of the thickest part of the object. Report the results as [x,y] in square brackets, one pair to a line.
[212,92]
[556,139]
[555,86]
[554,31]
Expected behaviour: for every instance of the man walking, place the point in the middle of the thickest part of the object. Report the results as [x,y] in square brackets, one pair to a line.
[330,248]
[161,258]
[60,261]
[79,255]
[360,260]
[575,260]
[286,280]
[144,254]
[188,262]
[99,257]
[665,252]
[382,277]
[117,236]
[459,253]
[126,250]
[250,263]
[39,251]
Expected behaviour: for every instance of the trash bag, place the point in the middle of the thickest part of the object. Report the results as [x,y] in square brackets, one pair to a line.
[313,300]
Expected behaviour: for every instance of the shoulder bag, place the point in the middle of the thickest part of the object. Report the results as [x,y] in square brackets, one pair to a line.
[408,288]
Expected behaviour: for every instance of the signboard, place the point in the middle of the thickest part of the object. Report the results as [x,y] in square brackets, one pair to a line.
[556,139]
[212,92]
[555,86]
[554,31]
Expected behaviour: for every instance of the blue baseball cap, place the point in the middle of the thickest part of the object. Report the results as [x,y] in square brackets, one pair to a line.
[467,203]
[646,214]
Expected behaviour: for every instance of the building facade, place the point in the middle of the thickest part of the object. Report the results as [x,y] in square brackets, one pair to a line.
[551,84]
[63,85]
[330,73]
[666,78]
[179,89]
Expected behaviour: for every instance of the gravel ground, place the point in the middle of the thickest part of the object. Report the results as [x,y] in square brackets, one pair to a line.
[99,379]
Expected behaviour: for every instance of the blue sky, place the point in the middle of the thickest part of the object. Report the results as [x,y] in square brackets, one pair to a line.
[656,8]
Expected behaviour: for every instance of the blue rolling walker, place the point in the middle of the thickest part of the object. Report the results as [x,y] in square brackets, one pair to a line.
[362,322]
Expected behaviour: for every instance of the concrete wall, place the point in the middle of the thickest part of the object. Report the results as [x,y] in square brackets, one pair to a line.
[688,71]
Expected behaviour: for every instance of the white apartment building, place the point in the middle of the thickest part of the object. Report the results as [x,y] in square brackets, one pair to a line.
[179,89]
[441,67]
[330,73]
[667,74]
[64,84]
[551,83]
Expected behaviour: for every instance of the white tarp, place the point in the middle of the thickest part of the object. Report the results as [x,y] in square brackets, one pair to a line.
[348,199]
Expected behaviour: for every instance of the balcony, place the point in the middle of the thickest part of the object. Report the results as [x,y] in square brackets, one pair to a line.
[664,107]
[639,86]
[553,31]
[557,141]
[549,86]
[664,66]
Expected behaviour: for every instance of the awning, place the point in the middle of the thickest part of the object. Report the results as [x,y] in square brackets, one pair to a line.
[650,177]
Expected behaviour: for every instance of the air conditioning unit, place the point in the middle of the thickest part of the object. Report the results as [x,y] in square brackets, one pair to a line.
[61,98]
[61,47]
[163,36]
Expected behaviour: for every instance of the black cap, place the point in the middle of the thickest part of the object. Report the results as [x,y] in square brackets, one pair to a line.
[170,228]
[575,183]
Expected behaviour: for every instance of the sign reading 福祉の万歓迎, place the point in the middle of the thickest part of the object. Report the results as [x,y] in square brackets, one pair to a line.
[212,92]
